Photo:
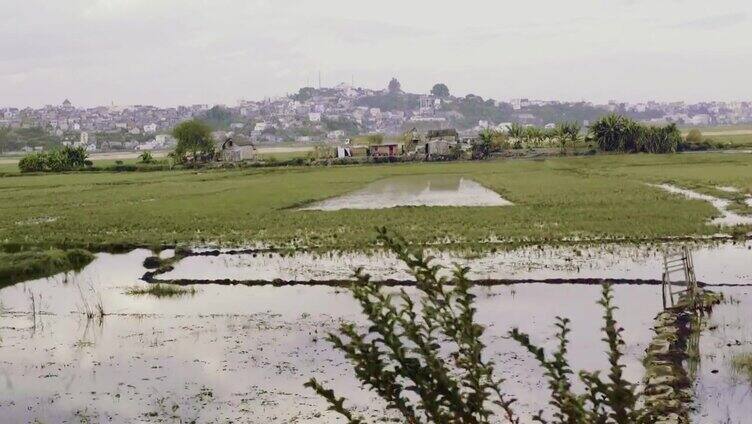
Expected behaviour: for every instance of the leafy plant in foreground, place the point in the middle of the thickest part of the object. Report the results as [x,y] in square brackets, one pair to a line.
[425,358]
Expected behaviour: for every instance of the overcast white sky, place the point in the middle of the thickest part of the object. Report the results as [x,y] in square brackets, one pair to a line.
[170,52]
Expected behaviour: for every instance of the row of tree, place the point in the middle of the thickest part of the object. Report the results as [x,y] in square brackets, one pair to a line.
[618,133]
[611,133]
[562,134]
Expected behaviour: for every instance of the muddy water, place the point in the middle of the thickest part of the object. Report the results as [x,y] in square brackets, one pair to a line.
[415,190]
[243,353]
[237,353]
[719,263]
[724,395]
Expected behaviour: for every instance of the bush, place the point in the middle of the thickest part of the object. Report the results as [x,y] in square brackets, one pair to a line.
[426,359]
[35,162]
[694,136]
[146,158]
[659,139]
[615,133]
[66,159]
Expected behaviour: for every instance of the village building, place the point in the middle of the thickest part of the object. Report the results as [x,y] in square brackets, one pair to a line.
[236,149]
[385,150]
[440,142]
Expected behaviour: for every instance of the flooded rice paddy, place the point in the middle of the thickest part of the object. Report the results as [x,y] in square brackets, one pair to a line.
[718,263]
[414,190]
[235,353]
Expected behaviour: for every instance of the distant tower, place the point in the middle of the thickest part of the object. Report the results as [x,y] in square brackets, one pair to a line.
[319,80]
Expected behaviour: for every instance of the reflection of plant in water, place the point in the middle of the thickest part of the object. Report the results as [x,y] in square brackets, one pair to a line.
[742,364]
[92,310]
[693,346]
[35,309]
[83,416]
[83,343]
[427,361]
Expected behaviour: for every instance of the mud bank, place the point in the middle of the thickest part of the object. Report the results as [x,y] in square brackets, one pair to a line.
[672,355]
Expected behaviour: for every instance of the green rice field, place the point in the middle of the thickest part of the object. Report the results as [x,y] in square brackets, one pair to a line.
[555,201]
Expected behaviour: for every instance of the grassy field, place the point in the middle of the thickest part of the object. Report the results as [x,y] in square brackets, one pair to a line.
[732,136]
[733,140]
[555,200]
[27,265]
[718,128]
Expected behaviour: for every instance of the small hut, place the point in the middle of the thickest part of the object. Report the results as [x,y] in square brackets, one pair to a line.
[440,142]
[236,149]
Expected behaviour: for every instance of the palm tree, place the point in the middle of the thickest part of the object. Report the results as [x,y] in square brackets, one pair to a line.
[516,133]
[567,132]
[616,133]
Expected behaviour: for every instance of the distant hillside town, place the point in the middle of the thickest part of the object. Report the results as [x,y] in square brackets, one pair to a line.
[328,114]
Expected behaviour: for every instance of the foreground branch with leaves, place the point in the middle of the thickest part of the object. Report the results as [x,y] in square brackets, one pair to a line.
[426,360]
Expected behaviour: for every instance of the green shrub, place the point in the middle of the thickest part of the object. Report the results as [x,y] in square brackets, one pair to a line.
[694,136]
[35,162]
[146,157]
[660,139]
[65,159]
[615,133]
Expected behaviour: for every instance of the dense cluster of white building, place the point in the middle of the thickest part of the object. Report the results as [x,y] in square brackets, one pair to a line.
[316,114]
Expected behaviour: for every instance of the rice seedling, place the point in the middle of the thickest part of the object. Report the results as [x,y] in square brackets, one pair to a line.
[161,290]
[555,201]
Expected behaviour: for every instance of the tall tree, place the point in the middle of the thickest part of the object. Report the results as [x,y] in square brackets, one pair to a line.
[395,86]
[440,90]
[195,142]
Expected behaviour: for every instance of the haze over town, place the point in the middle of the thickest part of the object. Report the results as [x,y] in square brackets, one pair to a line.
[325,211]
[102,51]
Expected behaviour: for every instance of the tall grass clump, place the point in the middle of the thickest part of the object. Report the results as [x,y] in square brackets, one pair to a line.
[161,290]
[426,359]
